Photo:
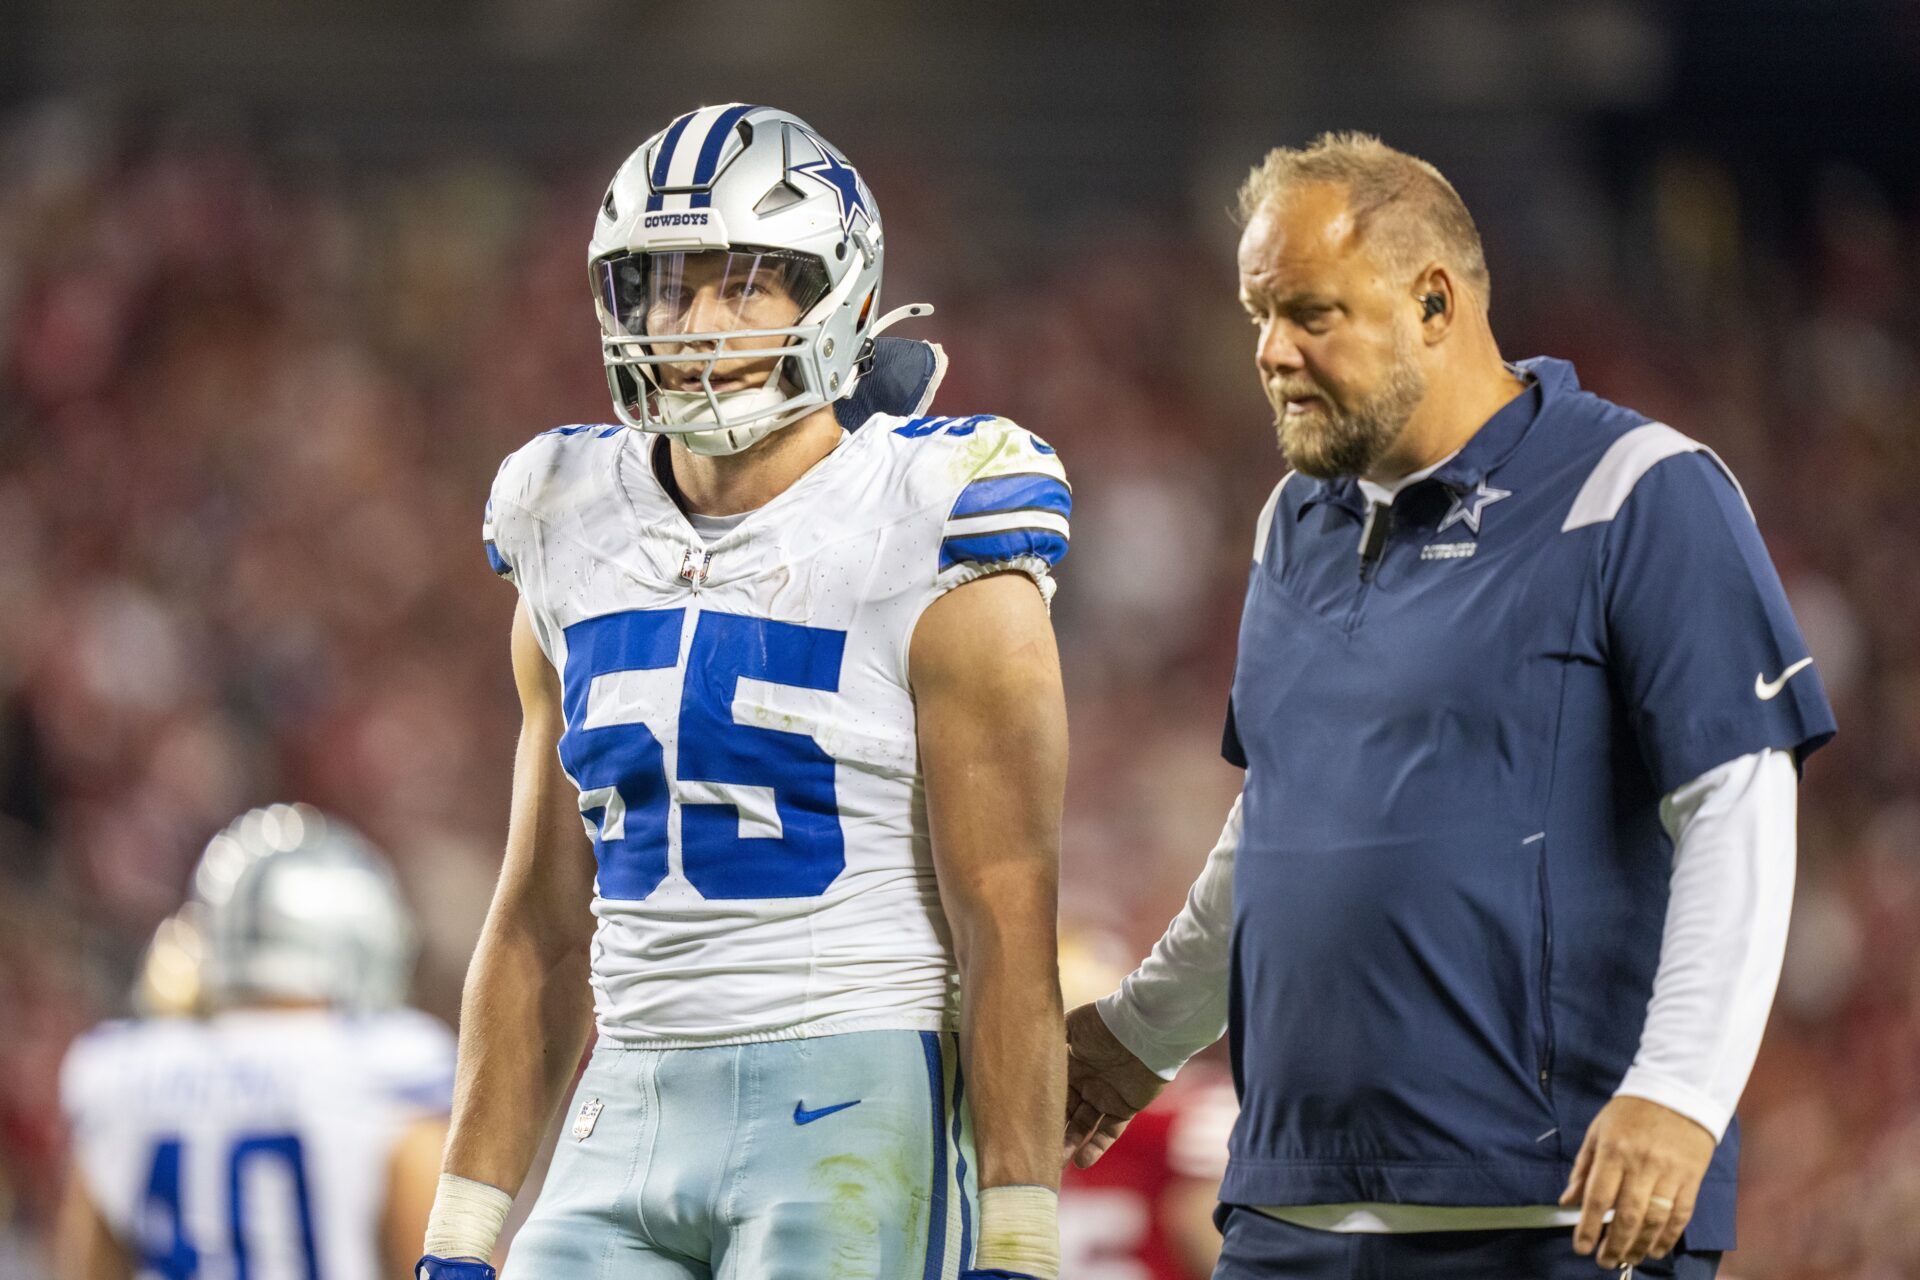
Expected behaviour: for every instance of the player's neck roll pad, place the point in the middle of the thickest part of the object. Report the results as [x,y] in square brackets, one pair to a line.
[905,375]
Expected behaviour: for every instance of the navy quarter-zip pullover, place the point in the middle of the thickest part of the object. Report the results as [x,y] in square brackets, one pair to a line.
[1458,714]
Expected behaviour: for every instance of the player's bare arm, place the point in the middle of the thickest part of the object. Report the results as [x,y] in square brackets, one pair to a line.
[993,744]
[527,1007]
[85,1247]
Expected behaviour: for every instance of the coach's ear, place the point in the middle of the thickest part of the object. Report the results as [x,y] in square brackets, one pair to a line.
[1436,300]
[904,375]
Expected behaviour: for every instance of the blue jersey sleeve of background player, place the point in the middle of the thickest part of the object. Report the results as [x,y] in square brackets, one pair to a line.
[1703,647]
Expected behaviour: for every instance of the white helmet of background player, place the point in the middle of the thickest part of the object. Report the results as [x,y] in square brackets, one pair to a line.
[297,905]
[729,198]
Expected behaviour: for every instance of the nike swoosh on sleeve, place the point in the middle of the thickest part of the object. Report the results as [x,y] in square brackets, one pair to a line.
[1767,691]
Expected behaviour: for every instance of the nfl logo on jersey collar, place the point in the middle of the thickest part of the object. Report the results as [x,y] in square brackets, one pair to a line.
[694,567]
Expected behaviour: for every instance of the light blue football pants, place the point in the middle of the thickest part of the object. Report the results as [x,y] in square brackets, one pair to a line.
[839,1156]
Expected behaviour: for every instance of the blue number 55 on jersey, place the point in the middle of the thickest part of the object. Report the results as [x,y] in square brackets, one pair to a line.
[621,770]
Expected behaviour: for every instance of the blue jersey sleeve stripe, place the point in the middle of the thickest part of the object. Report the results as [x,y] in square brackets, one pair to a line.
[1010,544]
[498,561]
[1027,491]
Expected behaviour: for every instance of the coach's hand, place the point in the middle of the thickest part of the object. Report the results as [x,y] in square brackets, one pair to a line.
[1644,1162]
[1106,1087]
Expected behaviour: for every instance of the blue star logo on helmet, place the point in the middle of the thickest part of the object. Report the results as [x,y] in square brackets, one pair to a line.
[839,177]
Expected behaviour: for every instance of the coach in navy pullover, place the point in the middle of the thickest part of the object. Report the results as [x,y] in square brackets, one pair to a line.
[1497,920]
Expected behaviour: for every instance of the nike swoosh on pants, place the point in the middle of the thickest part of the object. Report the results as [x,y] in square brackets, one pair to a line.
[803,1116]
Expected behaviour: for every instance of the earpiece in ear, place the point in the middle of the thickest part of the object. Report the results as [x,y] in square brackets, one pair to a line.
[1431,305]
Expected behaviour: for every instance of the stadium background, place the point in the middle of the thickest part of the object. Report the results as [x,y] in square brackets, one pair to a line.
[281,283]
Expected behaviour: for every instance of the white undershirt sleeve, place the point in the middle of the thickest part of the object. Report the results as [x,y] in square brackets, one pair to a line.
[1175,1004]
[1730,897]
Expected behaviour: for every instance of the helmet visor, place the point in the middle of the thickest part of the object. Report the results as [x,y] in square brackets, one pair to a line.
[685,334]
[705,295]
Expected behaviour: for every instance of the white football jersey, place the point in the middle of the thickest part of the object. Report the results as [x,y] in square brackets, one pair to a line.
[254,1144]
[739,721]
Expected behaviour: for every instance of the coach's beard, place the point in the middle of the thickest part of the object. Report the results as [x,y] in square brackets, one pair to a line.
[1346,442]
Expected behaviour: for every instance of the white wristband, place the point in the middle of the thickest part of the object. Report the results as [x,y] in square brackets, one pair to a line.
[466,1219]
[1020,1231]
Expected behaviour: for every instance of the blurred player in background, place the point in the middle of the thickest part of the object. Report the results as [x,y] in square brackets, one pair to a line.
[277,1112]
[788,653]
[1145,1212]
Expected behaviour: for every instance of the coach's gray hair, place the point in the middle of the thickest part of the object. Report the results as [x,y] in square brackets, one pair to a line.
[1405,207]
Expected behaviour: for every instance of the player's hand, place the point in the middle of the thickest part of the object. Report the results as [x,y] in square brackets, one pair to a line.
[432,1268]
[1644,1162]
[1106,1087]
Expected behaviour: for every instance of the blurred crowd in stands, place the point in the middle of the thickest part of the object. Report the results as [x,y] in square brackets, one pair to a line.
[250,405]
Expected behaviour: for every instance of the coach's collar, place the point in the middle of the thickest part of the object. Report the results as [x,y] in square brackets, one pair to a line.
[1490,446]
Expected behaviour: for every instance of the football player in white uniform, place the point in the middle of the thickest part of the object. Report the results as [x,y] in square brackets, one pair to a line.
[296,1129]
[795,669]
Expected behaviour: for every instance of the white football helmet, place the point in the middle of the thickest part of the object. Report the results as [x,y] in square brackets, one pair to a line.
[736,270]
[295,904]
